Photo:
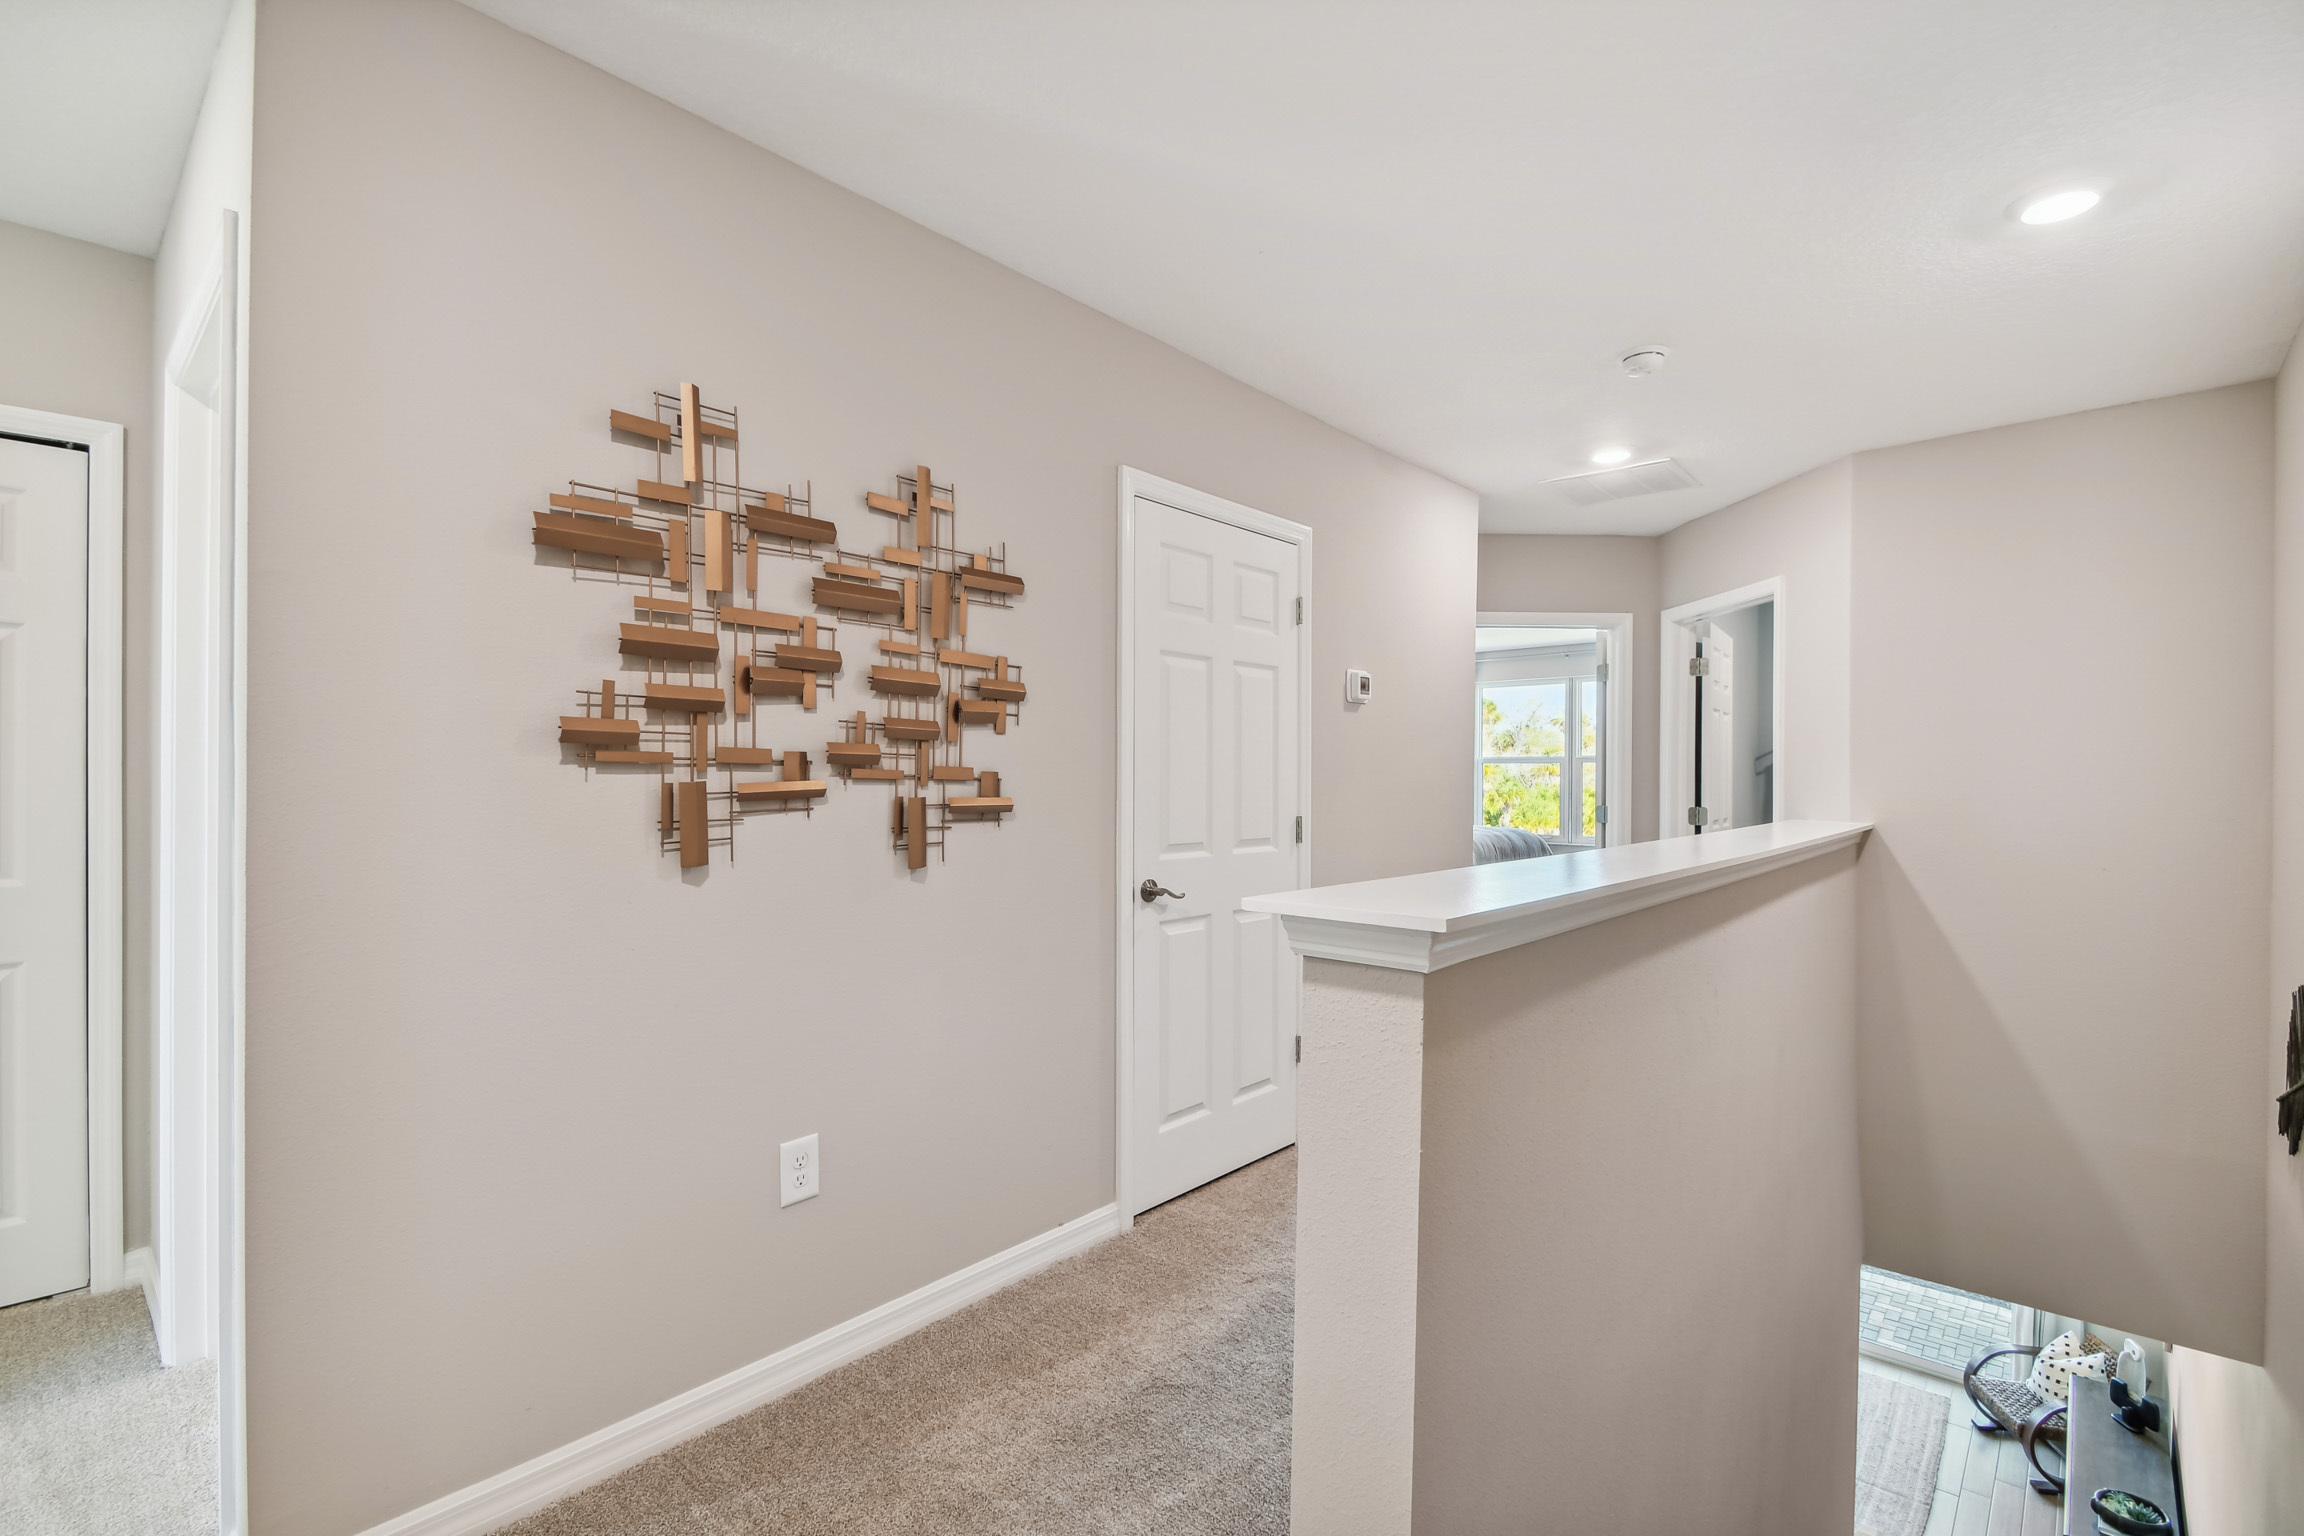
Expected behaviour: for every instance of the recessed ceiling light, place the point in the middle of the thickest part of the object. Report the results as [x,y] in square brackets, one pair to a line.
[2056,207]
[1607,456]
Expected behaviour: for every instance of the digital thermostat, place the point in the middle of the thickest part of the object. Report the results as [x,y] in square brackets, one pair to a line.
[1359,688]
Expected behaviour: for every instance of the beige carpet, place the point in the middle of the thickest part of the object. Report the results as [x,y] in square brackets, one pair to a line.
[95,1436]
[1899,1443]
[1142,1386]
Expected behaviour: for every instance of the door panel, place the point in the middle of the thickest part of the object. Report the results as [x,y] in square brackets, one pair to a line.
[1256,727]
[1185,733]
[43,870]
[1183,1023]
[1215,991]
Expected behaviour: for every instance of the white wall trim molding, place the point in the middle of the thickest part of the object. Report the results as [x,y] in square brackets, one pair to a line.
[1621,703]
[1135,483]
[140,1271]
[106,442]
[195,847]
[1675,700]
[554,1475]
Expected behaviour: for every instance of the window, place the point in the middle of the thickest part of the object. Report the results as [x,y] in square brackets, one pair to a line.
[1539,752]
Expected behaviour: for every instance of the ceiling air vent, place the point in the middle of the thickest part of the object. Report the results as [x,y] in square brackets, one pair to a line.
[1616,484]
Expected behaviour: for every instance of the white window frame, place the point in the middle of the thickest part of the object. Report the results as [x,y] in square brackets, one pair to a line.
[1622,687]
[1570,763]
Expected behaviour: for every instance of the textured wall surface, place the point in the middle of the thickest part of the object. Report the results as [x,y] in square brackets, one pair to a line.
[1359,1125]
[1640,1221]
[2064,898]
[515,1087]
[2242,1425]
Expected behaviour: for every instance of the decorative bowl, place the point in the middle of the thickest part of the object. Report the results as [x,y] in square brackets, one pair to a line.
[2129,1514]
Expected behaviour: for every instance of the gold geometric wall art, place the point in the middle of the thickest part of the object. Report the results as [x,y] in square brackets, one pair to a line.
[721,673]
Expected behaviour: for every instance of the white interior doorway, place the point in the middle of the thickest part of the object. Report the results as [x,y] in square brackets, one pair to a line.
[1213,806]
[45,1107]
[1721,715]
[60,573]
[1552,712]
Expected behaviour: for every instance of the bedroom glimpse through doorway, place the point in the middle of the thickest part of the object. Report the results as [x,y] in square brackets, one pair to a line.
[1548,758]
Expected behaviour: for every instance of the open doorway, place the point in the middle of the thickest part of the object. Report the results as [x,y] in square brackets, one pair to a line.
[1549,765]
[1723,712]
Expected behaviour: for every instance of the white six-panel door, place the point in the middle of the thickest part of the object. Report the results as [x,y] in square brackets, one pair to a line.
[43,870]
[1216,713]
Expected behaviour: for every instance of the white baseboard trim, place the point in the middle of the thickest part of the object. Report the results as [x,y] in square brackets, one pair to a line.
[138,1268]
[554,1475]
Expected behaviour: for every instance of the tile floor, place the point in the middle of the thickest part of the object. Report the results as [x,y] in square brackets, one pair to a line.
[1983,1484]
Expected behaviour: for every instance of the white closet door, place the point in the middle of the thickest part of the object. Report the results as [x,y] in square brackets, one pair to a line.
[43,870]
[1215,817]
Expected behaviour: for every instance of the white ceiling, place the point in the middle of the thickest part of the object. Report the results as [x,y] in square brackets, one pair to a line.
[97,102]
[1438,225]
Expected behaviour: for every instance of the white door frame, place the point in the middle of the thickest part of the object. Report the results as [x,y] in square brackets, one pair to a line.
[1676,699]
[1621,691]
[106,443]
[1135,483]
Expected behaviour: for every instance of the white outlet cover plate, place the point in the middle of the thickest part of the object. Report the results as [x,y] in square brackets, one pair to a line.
[801,1174]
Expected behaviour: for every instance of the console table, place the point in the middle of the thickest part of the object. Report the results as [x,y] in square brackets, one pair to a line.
[2098,1453]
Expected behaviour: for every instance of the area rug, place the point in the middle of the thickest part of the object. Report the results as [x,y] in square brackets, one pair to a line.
[1899,1445]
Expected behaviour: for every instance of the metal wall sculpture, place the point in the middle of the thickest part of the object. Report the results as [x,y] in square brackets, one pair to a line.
[721,674]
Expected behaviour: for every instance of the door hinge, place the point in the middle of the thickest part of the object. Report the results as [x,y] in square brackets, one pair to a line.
[1699,666]
[1299,1049]
[1299,829]
[1299,610]
[1601,672]
[1695,815]
[1600,815]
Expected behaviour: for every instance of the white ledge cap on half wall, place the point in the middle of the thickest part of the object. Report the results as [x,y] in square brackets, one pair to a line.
[1428,922]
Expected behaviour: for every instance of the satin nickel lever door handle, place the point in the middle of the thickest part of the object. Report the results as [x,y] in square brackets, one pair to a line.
[1153,890]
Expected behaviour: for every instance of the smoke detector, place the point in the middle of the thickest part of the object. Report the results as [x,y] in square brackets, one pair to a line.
[1646,361]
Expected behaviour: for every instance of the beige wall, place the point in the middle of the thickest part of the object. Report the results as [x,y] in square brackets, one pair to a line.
[2243,1425]
[514,1086]
[1576,573]
[1636,1287]
[1798,531]
[76,338]
[2036,957]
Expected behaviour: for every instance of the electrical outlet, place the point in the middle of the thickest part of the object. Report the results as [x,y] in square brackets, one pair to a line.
[797,1160]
